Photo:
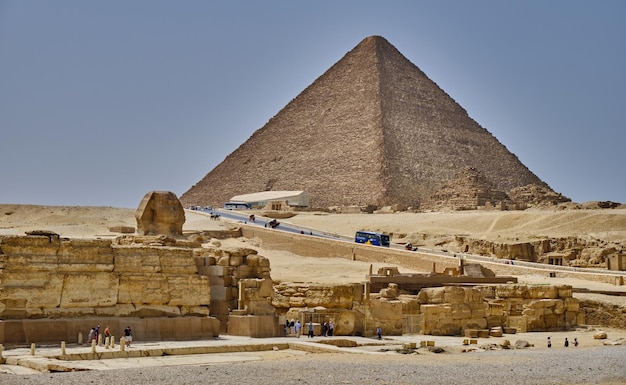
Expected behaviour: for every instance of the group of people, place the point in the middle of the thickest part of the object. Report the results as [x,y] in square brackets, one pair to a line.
[94,334]
[292,327]
[566,344]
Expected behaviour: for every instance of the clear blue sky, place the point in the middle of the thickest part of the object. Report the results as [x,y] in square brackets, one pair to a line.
[103,101]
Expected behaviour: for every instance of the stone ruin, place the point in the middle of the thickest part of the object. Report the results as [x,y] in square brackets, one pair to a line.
[170,287]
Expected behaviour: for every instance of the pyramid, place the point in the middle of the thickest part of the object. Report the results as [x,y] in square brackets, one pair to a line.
[372,130]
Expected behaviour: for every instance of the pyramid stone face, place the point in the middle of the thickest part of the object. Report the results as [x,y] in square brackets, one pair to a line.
[373,129]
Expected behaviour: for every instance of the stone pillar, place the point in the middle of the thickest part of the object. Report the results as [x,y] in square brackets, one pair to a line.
[80,338]
[112,342]
[99,339]
[2,360]
[106,342]
[93,346]
[63,348]
[32,349]
[122,344]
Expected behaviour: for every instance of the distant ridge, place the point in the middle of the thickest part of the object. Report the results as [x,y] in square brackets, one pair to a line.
[373,129]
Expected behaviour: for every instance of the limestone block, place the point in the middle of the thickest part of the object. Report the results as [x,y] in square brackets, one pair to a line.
[409,305]
[571,304]
[221,293]
[479,310]
[33,246]
[242,271]
[494,321]
[219,271]
[15,295]
[453,294]
[470,333]
[473,323]
[474,295]
[495,308]
[176,261]
[485,292]
[238,251]
[281,301]
[511,291]
[156,311]
[559,308]
[564,291]
[195,311]
[297,302]
[433,295]
[73,312]
[235,260]
[219,281]
[260,307]
[89,290]
[188,290]
[519,323]
[542,292]
[461,311]
[265,288]
[223,261]
[483,333]
[147,288]
[385,310]
[552,321]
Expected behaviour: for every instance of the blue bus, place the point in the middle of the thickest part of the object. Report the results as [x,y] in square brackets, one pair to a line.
[237,206]
[372,238]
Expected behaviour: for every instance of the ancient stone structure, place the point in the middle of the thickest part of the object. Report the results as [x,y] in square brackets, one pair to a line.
[70,281]
[160,212]
[448,310]
[372,130]
[469,190]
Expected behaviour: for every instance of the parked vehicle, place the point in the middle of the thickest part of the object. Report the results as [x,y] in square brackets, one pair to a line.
[372,238]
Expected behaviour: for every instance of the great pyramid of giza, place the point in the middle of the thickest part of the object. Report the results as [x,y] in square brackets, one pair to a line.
[373,129]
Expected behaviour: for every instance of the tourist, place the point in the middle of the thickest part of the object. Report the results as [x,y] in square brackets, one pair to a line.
[128,335]
[311,329]
[331,328]
[292,326]
[298,327]
[379,332]
[549,342]
[286,328]
[575,342]
[90,335]
[324,329]
[107,334]
[566,342]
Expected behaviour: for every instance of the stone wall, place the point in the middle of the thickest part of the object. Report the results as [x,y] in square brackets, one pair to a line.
[65,281]
[448,310]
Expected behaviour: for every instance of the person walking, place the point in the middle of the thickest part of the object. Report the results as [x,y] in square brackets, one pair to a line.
[311,329]
[128,336]
[566,342]
[379,332]
[549,342]
[298,327]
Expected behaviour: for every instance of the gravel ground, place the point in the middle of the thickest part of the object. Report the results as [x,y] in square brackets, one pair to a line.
[592,365]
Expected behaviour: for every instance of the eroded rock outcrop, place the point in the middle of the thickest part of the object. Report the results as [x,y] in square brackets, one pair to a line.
[160,212]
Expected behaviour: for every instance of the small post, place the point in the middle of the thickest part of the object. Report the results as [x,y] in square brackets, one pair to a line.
[112,342]
[122,344]
[106,342]
[32,349]
[63,348]
[99,339]
[93,346]
[80,338]
[2,360]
